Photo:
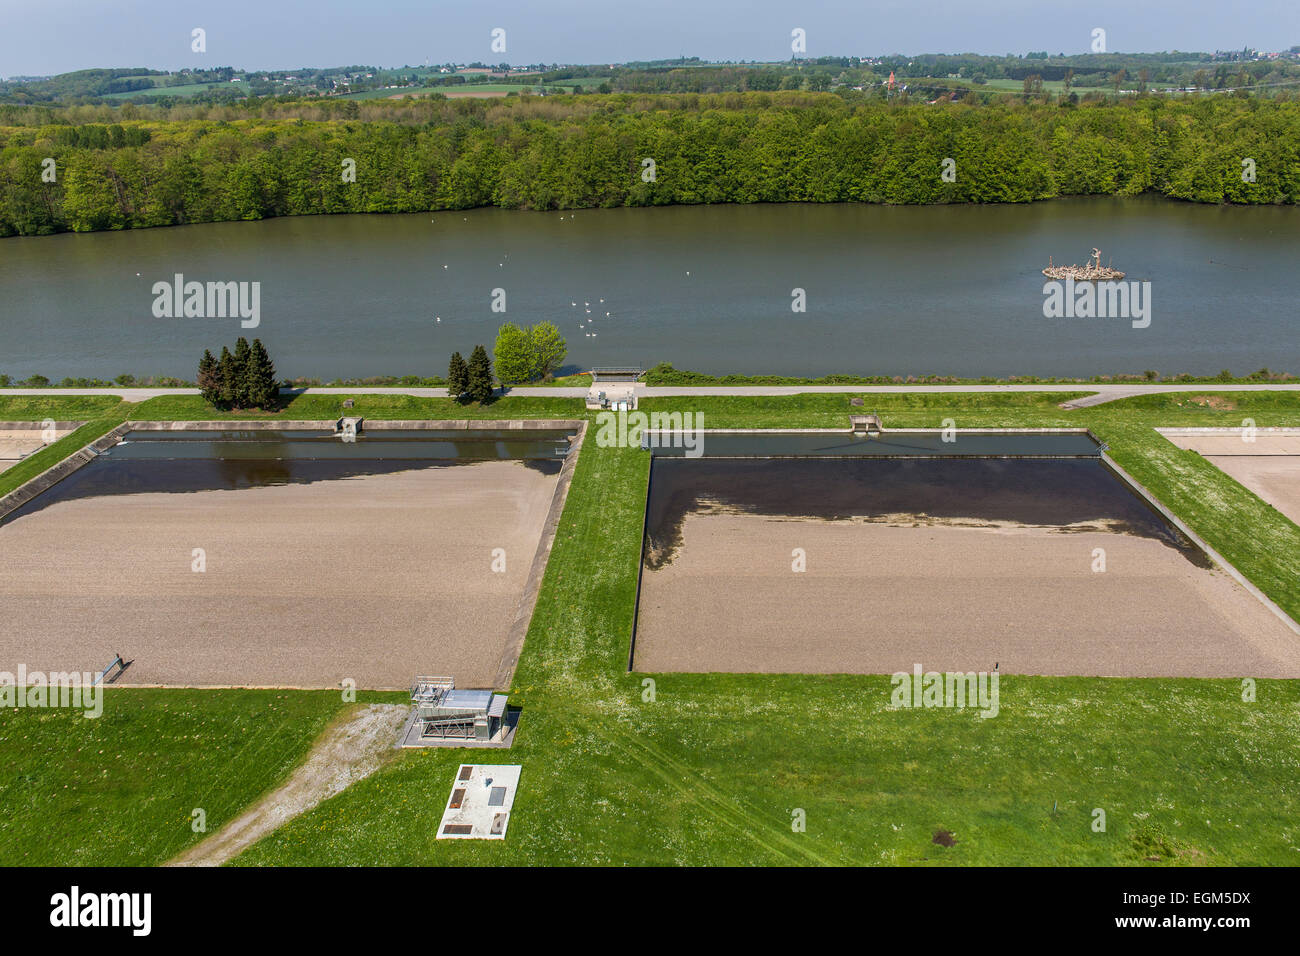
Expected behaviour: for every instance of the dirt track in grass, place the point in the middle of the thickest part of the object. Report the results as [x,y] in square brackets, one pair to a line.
[347,752]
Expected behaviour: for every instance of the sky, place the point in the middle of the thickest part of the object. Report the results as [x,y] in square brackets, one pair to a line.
[40,37]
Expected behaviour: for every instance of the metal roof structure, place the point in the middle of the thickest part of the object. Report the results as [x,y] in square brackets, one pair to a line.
[444,713]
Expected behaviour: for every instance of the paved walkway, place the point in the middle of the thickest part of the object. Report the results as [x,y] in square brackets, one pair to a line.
[1099,393]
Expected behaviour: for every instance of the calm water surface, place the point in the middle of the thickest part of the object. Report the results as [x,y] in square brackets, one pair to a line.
[952,290]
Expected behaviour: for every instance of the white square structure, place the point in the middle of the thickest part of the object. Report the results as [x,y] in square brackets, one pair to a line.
[480,802]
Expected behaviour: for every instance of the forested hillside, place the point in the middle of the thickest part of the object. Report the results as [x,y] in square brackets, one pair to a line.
[524,152]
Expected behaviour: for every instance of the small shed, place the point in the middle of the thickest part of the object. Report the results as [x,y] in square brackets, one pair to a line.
[612,397]
[443,712]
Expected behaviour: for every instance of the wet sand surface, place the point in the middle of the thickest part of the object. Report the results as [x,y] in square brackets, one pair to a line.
[982,576]
[1269,466]
[876,598]
[373,577]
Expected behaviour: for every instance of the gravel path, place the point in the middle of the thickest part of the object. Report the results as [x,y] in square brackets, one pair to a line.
[345,753]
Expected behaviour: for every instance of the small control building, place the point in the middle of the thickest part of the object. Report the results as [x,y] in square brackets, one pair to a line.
[443,713]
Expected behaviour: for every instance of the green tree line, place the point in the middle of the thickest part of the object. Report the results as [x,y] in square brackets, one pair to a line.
[733,148]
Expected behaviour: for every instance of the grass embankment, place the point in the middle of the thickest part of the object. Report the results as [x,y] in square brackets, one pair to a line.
[328,407]
[120,789]
[101,413]
[665,374]
[713,767]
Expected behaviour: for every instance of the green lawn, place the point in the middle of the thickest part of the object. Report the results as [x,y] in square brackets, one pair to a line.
[119,789]
[62,408]
[711,769]
[324,407]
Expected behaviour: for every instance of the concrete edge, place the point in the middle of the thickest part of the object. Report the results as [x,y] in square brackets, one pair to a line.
[60,470]
[1233,430]
[886,431]
[1200,542]
[537,571]
[371,424]
[39,425]
[640,569]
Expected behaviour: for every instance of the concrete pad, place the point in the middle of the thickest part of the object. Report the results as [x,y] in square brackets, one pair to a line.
[1235,445]
[878,598]
[1269,466]
[373,579]
[480,802]
[17,444]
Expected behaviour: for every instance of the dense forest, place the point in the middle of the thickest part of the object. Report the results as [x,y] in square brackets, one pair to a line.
[215,164]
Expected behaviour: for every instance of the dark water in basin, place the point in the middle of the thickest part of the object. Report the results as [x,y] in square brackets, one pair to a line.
[953,290]
[179,462]
[1039,492]
[892,444]
[380,445]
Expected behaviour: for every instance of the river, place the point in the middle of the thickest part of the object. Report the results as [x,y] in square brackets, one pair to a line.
[947,290]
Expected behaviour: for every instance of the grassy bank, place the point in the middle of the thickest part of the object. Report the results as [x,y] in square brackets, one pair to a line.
[119,790]
[665,374]
[101,413]
[326,407]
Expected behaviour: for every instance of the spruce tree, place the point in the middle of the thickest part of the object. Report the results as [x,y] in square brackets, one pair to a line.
[239,383]
[209,378]
[480,375]
[226,376]
[259,377]
[457,376]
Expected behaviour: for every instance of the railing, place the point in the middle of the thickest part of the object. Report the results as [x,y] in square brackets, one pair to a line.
[431,687]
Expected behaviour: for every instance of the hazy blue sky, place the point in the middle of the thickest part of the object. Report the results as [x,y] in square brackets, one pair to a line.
[54,36]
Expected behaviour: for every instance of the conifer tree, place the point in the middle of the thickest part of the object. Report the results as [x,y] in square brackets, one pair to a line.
[239,383]
[209,379]
[261,390]
[480,375]
[226,376]
[457,376]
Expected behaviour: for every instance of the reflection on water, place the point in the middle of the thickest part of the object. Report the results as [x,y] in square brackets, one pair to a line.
[151,462]
[380,445]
